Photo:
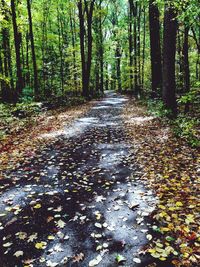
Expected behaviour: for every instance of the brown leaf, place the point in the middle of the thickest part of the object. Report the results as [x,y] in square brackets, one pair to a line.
[79,257]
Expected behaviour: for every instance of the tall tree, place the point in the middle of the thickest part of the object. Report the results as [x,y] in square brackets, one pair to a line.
[17,41]
[73,39]
[169,52]
[186,66]
[85,22]
[7,82]
[35,71]
[134,12]
[131,44]
[156,65]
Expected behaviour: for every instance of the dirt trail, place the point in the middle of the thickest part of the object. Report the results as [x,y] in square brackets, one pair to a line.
[80,198]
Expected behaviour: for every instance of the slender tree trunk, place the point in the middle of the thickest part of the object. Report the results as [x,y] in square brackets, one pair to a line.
[131,46]
[35,71]
[134,11]
[156,65]
[27,60]
[82,45]
[60,51]
[139,47]
[180,62]
[186,64]
[1,71]
[197,41]
[86,62]
[17,41]
[74,52]
[101,52]
[107,78]
[7,87]
[89,12]
[144,46]
[169,52]
[118,56]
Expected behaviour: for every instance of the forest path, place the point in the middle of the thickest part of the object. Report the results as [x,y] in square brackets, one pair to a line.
[79,200]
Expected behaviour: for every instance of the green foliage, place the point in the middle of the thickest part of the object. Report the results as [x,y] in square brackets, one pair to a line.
[187,128]
[189,97]
[157,108]
[27,95]
[26,109]
[183,126]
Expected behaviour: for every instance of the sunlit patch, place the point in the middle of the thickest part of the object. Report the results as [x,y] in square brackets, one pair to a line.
[111,155]
[101,107]
[77,128]
[115,101]
[141,120]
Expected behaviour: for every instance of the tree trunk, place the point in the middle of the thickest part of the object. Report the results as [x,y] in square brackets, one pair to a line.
[101,52]
[74,52]
[35,72]
[7,86]
[89,13]
[118,56]
[169,52]
[131,46]
[186,65]
[156,65]
[17,41]
[133,9]
[60,44]
[86,61]
[82,45]
[144,45]
[139,47]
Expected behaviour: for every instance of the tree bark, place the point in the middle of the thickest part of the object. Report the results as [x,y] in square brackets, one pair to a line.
[60,44]
[156,65]
[8,85]
[35,71]
[82,45]
[169,52]
[74,52]
[86,61]
[131,45]
[186,65]
[144,45]
[101,52]
[135,49]
[118,56]
[17,41]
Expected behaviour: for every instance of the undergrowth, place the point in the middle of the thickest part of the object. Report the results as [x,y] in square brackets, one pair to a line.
[184,126]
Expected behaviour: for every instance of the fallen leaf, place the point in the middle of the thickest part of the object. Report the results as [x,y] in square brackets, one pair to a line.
[79,257]
[18,253]
[41,245]
[137,260]
[61,224]
[120,258]
[96,261]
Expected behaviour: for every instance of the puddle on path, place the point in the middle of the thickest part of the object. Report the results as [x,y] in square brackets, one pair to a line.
[77,196]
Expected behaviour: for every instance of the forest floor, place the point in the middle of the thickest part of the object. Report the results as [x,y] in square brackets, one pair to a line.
[94,186]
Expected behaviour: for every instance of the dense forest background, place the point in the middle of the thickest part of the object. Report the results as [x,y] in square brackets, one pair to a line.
[56,49]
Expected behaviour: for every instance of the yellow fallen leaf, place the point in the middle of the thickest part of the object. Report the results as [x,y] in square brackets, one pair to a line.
[37,206]
[179,204]
[51,237]
[162,259]
[41,245]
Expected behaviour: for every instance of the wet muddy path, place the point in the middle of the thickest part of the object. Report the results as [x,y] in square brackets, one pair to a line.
[79,202]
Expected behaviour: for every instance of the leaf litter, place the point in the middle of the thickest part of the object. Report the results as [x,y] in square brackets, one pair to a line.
[169,166]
